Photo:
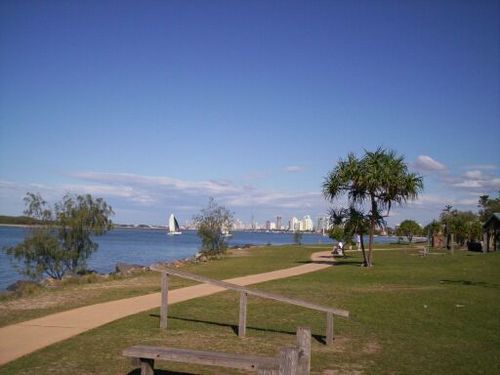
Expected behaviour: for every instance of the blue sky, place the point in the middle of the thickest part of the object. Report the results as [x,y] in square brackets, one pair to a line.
[158,105]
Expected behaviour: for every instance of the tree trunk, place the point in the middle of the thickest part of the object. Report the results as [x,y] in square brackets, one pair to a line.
[372,231]
[365,261]
[370,242]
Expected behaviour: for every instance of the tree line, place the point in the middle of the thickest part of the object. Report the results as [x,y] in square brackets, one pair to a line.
[466,226]
[367,187]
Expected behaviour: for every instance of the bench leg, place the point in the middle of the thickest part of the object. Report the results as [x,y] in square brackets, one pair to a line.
[288,361]
[147,366]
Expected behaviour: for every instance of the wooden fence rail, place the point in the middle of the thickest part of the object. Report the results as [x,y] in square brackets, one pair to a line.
[244,293]
[294,360]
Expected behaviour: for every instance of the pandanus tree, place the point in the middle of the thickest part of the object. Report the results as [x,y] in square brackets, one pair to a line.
[376,181]
[351,222]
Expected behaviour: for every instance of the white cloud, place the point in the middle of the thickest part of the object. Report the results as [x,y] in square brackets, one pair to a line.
[210,187]
[475,174]
[426,163]
[478,180]
[136,197]
[469,184]
[149,190]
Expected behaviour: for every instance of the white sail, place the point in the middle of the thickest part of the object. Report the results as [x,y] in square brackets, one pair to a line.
[173,226]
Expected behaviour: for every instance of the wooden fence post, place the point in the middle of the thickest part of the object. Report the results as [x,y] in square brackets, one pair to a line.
[329,328]
[242,328]
[289,359]
[164,300]
[304,344]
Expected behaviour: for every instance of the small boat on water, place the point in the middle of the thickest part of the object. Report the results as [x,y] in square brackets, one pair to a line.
[173,226]
[226,233]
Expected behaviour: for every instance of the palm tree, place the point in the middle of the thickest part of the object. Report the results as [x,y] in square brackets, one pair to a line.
[379,179]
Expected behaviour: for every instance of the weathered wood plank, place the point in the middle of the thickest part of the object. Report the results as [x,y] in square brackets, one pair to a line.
[164,300]
[242,328]
[329,328]
[258,293]
[304,344]
[289,359]
[239,361]
[267,370]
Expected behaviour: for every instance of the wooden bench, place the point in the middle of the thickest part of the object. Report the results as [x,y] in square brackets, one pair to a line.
[290,361]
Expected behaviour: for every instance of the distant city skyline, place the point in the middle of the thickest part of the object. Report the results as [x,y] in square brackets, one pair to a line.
[157,106]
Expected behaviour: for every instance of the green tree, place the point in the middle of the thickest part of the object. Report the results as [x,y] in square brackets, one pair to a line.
[210,223]
[488,206]
[431,229]
[63,241]
[409,229]
[465,225]
[379,180]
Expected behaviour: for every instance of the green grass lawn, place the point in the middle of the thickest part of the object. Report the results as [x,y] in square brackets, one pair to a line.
[44,301]
[409,315]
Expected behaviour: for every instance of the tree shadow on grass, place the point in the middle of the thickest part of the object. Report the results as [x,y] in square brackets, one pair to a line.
[470,283]
[338,261]
[321,339]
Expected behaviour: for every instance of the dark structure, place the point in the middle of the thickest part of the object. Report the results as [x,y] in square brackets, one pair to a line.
[491,233]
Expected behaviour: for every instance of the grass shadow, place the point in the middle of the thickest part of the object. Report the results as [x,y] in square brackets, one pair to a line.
[470,283]
[339,261]
[137,371]
[321,339]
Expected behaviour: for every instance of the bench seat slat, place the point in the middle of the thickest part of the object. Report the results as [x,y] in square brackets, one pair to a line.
[239,361]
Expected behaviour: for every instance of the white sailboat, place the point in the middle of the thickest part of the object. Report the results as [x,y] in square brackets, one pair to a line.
[226,233]
[173,226]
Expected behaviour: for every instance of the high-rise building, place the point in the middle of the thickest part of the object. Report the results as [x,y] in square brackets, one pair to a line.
[307,223]
[294,224]
[279,222]
[323,223]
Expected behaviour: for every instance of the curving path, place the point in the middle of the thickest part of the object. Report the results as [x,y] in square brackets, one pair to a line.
[26,337]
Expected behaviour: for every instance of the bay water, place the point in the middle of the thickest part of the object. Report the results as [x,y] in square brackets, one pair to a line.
[142,246]
[145,247]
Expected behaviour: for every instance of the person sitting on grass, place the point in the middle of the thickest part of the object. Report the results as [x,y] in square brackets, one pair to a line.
[338,249]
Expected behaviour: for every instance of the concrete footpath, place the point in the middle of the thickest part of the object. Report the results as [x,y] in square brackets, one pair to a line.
[26,337]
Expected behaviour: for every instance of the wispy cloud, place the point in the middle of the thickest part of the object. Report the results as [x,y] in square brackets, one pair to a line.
[150,190]
[426,163]
[478,180]
[155,195]
[481,166]
[295,169]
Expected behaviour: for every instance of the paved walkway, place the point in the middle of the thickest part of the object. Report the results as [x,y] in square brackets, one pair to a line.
[26,337]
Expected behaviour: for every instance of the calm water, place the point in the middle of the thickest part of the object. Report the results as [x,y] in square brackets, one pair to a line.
[141,246]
